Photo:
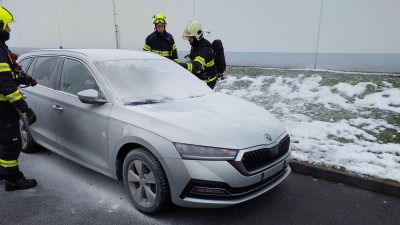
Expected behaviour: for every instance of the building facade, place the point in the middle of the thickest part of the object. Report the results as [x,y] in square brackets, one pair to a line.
[348,35]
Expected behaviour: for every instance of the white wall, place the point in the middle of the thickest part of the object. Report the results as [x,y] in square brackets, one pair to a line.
[361,35]
[32,28]
[244,26]
[263,25]
[360,26]
[83,27]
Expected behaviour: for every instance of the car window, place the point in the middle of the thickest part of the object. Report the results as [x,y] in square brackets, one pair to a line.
[76,77]
[24,63]
[44,70]
[30,70]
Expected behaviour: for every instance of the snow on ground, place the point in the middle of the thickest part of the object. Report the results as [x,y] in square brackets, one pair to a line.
[349,121]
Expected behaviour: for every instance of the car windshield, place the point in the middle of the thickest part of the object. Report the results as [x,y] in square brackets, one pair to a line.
[151,81]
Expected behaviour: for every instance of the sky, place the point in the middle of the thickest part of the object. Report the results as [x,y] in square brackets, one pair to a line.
[349,121]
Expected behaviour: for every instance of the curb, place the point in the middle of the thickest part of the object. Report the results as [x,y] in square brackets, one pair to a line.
[331,174]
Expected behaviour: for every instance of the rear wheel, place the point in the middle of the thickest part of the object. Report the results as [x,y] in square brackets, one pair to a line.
[146,182]
[28,145]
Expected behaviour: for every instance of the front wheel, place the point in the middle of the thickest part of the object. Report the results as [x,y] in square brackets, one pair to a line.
[28,145]
[146,182]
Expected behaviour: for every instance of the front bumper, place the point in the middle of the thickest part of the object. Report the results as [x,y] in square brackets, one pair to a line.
[213,184]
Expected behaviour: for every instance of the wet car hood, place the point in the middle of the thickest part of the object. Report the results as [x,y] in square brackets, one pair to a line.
[216,120]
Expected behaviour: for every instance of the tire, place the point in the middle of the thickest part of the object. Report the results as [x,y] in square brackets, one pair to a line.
[28,145]
[150,196]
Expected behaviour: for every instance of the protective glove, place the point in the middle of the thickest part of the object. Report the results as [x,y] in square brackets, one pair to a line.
[26,79]
[32,82]
[29,115]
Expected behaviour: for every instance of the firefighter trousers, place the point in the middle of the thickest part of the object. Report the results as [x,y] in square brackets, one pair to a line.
[10,149]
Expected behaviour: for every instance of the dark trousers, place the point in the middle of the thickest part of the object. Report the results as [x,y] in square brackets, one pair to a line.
[212,83]
[10,149]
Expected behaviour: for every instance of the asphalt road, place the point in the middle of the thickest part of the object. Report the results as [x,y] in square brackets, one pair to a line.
[71,194]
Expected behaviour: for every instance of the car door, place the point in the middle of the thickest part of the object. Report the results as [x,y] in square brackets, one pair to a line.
[39,98]
[81,128]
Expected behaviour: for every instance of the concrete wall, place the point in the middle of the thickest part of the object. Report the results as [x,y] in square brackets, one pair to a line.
[350,35]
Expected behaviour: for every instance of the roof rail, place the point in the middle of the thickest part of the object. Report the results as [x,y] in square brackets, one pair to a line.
[59,50]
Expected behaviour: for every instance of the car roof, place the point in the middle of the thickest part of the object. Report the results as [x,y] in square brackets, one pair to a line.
[98,54]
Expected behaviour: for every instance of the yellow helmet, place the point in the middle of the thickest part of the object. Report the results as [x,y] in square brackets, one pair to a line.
[193,29]
[160,19]
[5,17]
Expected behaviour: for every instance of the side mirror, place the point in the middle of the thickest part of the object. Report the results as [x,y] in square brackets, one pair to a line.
[90,96]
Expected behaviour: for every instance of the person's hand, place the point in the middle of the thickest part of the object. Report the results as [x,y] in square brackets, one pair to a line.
[29,115]
[32,81]
[27,80]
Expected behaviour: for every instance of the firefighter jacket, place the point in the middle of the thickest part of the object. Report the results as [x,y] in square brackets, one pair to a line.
[162,44]
[201,61]
[10,97]
[10,100]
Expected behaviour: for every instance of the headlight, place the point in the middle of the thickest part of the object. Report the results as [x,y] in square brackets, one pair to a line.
[205,153]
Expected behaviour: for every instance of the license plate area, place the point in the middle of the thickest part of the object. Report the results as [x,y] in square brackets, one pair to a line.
[275,169]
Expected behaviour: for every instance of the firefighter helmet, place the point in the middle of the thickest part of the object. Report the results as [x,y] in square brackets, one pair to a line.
[5,17]
[193,29]
[160,19]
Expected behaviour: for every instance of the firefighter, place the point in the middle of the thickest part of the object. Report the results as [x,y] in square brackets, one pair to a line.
[201,55]
[11,101]
[160,41]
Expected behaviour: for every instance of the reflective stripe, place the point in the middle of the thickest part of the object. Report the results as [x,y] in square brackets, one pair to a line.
[4,67]
[15,96]
[200,60]
[174,47]
[162,53]
[189,67]
[210,64]
[146,48]
[8,163]
[176,60]
[3,98]
[211,79]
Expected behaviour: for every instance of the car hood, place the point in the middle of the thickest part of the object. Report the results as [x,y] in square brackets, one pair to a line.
[216,120]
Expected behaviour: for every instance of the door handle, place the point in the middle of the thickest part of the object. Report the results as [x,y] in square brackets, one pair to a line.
[58,108]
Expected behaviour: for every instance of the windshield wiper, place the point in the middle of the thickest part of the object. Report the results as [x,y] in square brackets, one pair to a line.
[146,101]
[143,102]
[195,96]
[192,96]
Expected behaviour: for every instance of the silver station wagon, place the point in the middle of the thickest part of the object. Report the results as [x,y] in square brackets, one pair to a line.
[143,119]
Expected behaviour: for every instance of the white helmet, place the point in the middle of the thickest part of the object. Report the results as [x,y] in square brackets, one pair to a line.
[193,29]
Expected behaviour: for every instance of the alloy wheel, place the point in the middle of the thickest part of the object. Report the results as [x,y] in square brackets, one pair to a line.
[142,183]
[24,134]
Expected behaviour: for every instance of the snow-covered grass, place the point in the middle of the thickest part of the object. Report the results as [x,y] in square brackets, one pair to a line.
[349,121]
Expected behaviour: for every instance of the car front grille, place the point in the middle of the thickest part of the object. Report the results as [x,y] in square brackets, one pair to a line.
[255,160]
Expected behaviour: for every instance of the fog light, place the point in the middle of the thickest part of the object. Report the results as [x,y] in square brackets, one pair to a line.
[209,191]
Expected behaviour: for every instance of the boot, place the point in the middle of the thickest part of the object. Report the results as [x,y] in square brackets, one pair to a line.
[19,183]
